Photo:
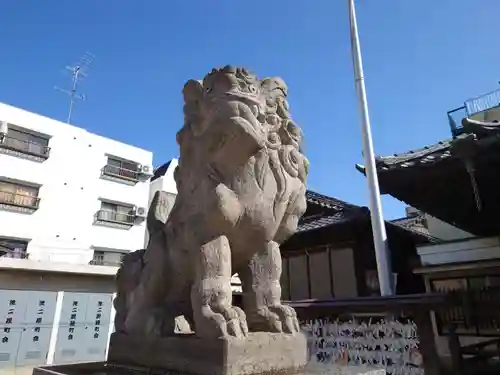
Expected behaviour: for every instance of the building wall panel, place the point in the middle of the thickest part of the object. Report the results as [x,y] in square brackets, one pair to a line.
[343,273]
[299,288]
[319,269]
[84,327]
[27,321]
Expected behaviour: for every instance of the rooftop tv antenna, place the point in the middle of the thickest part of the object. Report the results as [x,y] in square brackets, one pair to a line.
[78,73]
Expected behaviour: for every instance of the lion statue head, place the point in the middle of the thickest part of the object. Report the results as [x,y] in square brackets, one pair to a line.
[240,115]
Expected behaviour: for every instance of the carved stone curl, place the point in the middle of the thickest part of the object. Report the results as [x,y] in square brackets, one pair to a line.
[241,191]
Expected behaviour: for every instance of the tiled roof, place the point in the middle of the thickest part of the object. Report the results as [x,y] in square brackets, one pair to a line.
[416,224]
[329,202]
[335,211]
[478,133]
[338,212]
[422,157]
[320,221]
[409,221]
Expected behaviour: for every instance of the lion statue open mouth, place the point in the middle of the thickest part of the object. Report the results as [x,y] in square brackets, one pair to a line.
[241,191]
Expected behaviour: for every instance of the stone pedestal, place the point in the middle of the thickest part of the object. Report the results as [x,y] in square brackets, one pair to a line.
[259,353]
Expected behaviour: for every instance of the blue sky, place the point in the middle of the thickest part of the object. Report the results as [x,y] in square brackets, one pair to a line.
[421,59]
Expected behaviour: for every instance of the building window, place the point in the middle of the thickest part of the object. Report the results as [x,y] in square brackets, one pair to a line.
[121,169]
[19,195]
[13,248]
[116,213]
[25,142]
[98,258]
[107,258]
[468,316]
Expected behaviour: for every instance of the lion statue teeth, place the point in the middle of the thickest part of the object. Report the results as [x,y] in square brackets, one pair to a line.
[241,191]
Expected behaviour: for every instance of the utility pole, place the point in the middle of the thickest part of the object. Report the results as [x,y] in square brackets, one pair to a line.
[382,252]
[78,72]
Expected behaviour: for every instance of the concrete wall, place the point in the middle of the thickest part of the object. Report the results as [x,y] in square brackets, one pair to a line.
[490,115]
[13,279]
[62,229]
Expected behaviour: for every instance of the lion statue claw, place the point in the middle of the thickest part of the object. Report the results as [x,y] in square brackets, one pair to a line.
[241,191]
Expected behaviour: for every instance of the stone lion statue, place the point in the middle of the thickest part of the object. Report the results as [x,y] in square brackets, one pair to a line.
[241,191]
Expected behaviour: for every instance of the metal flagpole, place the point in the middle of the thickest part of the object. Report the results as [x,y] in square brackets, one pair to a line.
[377,219]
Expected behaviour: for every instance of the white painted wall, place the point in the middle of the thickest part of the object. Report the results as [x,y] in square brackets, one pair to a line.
[62,229]
[460,251]
[164,183]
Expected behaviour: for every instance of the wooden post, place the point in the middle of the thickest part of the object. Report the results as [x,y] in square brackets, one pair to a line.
[430,356]
[454,347]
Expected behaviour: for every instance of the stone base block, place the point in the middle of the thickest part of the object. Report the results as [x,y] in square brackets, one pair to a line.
[259,353]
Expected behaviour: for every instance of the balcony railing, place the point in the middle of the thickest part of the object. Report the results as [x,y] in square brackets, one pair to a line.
[455,117]
[483,102]
[19,200]
[120,173]
[25,147]
[102,262]
[471,107]
[14,254]
[115,217]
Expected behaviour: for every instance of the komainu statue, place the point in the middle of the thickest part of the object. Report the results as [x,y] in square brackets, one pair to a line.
[241,191]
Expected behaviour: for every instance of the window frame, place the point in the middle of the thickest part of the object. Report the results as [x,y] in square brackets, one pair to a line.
[99,257]
[19,199]
[120,213]
[119,168]
[26,141]
[8,246]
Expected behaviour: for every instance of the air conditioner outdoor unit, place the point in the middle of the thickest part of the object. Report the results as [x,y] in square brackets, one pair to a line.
[146,170]
[140,211]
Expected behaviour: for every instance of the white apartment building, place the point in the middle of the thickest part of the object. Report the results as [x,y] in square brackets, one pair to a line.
[70,200]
